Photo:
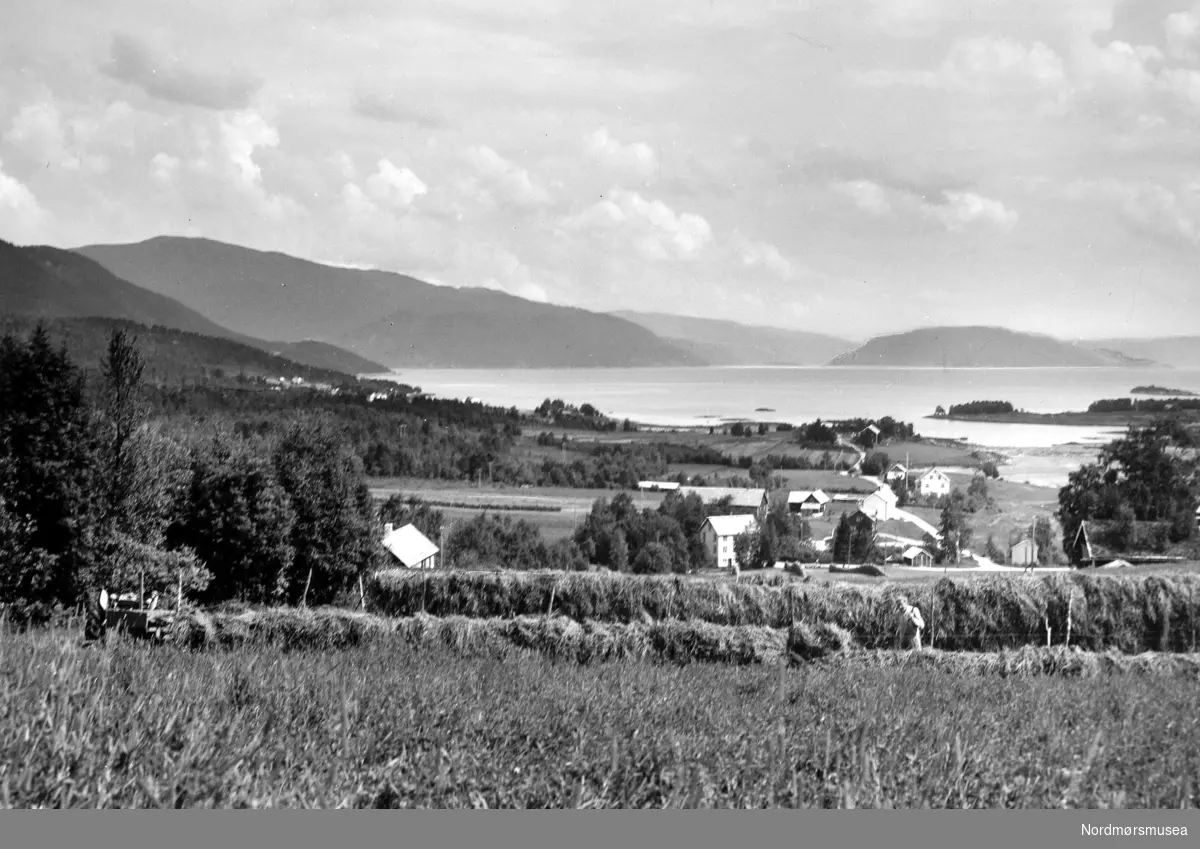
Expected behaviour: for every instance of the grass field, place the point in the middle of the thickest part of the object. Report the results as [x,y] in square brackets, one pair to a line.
[132,726]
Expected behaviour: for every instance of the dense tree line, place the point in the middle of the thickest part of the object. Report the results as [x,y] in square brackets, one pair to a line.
[95,493]
[1144,483]
[1143,405]
[981,408]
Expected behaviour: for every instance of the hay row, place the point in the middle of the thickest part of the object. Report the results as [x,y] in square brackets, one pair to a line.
[674,641]
[559,637]
[1129,614]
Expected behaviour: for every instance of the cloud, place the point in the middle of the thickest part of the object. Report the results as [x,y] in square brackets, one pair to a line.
[22,217]
[957,210]
[658,232]
[241,134]
[501,182]
[1183,33]
[867,195]
[637,157]
[954,209]
[164,167]
[397,186]
[756,254]
[1172,212]
[38,132]
[389,109]
[133,62]
[980,64]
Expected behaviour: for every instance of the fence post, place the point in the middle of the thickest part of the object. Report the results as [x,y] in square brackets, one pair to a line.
[1070,603]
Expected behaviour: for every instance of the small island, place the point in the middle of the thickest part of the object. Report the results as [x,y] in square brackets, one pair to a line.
[1161,390]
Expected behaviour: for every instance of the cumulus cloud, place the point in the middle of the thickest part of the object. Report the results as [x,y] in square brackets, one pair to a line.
[758,254]
[39,132]
[637,157]
[21,215]
[954,209]
[397,186]
[1183,33]
[867,195]
[957,210]
[657,231]
[134,62]
[241,134]
[1151,207]
[164,167]
[501,182]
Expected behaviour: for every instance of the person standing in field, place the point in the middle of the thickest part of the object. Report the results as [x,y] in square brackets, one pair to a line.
[95,623]
[913,623]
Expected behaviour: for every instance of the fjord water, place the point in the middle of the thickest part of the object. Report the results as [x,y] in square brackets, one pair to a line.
[697,396]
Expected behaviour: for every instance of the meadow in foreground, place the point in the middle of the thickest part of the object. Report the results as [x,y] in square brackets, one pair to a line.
[388,725]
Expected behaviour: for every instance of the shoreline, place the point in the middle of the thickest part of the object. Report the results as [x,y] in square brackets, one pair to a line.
[1067,419]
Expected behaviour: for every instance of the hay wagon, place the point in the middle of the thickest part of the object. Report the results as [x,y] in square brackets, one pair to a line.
[129,614]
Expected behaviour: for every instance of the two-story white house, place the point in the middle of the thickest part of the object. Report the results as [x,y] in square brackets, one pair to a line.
[719,533]
[933,483]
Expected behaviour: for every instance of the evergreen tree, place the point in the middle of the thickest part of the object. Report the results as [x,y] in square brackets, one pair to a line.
[955,531]
[45,472]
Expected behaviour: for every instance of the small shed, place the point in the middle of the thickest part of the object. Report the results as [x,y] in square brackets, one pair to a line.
[1024,553]
[409,546]
[917,556]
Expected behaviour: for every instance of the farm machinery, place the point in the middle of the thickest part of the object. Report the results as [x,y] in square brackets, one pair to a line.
[133,614]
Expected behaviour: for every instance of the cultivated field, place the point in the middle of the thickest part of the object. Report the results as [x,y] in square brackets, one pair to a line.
[394,724]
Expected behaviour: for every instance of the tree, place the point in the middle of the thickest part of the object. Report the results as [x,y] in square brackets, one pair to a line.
[620,552]
[993,551]
[690,512]
[954,530]
[1136,478]
[977,494]
[653,559]
[1043,538]
[335,536]
[876,464]
[401,510]
[139,474]
[238,520]
[45,471]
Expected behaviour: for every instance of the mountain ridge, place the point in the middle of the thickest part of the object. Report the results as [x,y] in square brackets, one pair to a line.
[724,342]
[382,315]
[981,346]
[39,280]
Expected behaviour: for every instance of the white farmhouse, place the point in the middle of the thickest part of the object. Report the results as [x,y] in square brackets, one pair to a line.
[719,533]
[409,546]
[880,504]
[933,483]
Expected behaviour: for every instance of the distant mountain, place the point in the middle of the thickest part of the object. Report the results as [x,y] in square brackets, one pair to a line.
[980,347]
[1177,351]
[732,343]
[171,355]
[393,318]
[54,283]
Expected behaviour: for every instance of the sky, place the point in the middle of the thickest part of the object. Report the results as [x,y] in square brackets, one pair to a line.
[852,167]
